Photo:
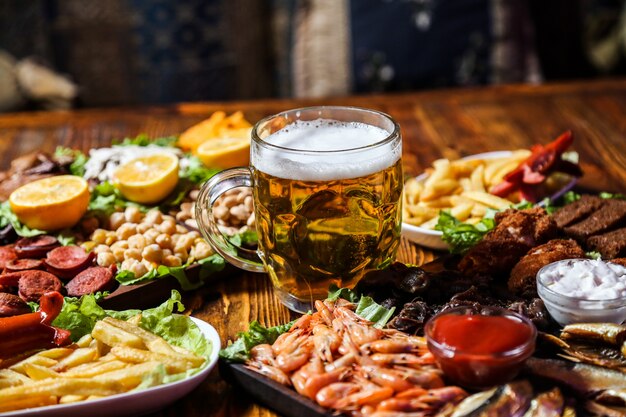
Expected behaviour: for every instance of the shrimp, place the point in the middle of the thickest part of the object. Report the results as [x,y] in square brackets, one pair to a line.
[426,377]
[314,384]
[330,394]
[370,394]
[269,371]
[294,356]
[428,400]
[324,311]
[300,377]
[325,342]
[408,359]
[385,377]
[345,360]
[398,345]
[262,353]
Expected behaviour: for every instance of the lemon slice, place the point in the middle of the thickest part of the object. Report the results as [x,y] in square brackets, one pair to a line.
[225,152]
[51,203]
[147,179]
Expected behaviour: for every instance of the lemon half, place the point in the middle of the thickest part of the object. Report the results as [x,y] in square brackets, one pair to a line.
[51,203]
[225,152]
[147,179]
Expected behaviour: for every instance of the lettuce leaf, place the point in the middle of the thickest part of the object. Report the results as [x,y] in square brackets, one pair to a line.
[77,167]
[196,171]
[374,312]
[79,315]
[8,217]
[144,140]
[334,293]
[208,266]
[462,236]
[257,334]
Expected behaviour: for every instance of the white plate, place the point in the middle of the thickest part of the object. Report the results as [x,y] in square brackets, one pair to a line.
[133,403]
[432,238]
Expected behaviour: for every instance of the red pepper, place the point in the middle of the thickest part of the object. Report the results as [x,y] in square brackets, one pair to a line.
[543,161]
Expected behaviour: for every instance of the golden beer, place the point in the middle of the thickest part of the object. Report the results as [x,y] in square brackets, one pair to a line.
[317,233]
[327,185]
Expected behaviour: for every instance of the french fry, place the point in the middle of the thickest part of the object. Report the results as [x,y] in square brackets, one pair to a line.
[129,377]
[36,360]
[488,200]
[91,369]
[78,357]
[462,211]
[56,353]
[114,336]
[85,341]
[10,378]
[27,402]
[63,386]
[477,178]
[172,364]
[38,372]
[69,399]
[440,188]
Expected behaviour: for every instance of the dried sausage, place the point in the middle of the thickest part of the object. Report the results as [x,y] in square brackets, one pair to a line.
[91,280]
[33,284]
[35,247]
[12,305]
[7,253]
[68,258]
[25,264]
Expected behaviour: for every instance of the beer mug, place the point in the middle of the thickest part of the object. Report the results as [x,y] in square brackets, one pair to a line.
[327,186]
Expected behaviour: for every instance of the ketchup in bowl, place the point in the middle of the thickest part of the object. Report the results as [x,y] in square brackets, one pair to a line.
[480,349]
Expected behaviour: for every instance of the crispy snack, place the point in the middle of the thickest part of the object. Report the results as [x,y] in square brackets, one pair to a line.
[112,360]
[217,126]
[460,186]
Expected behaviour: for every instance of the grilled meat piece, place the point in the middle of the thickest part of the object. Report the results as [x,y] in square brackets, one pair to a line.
[516,232]
[610,245]
[523,281]
[619,261]
[578,210]
[611,215]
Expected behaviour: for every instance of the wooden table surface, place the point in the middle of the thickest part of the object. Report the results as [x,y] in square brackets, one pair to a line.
[448,123]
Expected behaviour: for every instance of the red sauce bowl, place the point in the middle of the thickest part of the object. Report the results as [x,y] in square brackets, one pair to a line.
[480,349]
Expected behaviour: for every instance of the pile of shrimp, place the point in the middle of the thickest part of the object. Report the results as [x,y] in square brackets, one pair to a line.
[342,362]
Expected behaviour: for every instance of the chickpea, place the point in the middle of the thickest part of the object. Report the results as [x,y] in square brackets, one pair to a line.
[181,216]
[132,253]
[164,241]
[149,265]
[116,220]
[202,250]
[251,220]
[132,215]
[182,253]
[172,260]
[88,245]
[152,253]
[99,236]
[153,217]
[119,254]
[167,252]
[221,212]
[105,259]
[194,234]
[101,249]
[239,213]
[143,227]
[139,269]
[128,264]
[168,218]
[230,201]
[168,227]
[175,238]
[151,236]
[193,194]
[184,242]
[120,244]
[126,230]
[137,241]
[248,203]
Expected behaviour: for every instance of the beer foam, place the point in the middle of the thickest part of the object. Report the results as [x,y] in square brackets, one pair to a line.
[326,135]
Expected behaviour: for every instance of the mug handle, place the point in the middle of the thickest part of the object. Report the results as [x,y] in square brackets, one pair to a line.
[218,184]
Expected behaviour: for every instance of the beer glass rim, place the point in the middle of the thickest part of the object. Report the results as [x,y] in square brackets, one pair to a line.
[395,133]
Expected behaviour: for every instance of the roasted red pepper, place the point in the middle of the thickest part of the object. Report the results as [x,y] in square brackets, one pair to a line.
[543,161]
[33,330]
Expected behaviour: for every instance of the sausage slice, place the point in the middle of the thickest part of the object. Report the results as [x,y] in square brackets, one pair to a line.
[91,280]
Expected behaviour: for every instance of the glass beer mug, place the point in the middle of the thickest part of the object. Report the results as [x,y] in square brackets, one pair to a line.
[327,186]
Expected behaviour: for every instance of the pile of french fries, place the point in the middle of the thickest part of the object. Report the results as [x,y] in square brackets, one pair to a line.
[111,360]
[460,186]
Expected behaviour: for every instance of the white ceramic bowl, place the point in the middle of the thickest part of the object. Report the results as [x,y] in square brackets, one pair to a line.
[133,403]
[432,238]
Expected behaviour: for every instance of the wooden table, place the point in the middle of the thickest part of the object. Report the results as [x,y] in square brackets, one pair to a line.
[449,123]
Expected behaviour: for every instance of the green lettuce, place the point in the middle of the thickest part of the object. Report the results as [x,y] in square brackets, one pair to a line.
[79,315]
[335,293]
[460,236]
[208,266]
[77,167]
[195,171]
[144,140]
[374,312]
[257,334]
[8,217]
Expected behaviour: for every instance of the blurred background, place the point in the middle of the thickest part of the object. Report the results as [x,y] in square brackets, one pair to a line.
[97,53]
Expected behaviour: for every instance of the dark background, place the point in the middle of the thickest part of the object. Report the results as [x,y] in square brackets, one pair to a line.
[130,52]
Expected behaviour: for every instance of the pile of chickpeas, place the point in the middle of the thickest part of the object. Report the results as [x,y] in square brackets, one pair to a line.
[142,242]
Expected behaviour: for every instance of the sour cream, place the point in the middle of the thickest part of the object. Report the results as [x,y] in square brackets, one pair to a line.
[583,290]
[588,279]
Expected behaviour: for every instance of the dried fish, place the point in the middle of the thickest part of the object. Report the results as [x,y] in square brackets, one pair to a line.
[583,378]
[508,400]
[611,333]
[547,404]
